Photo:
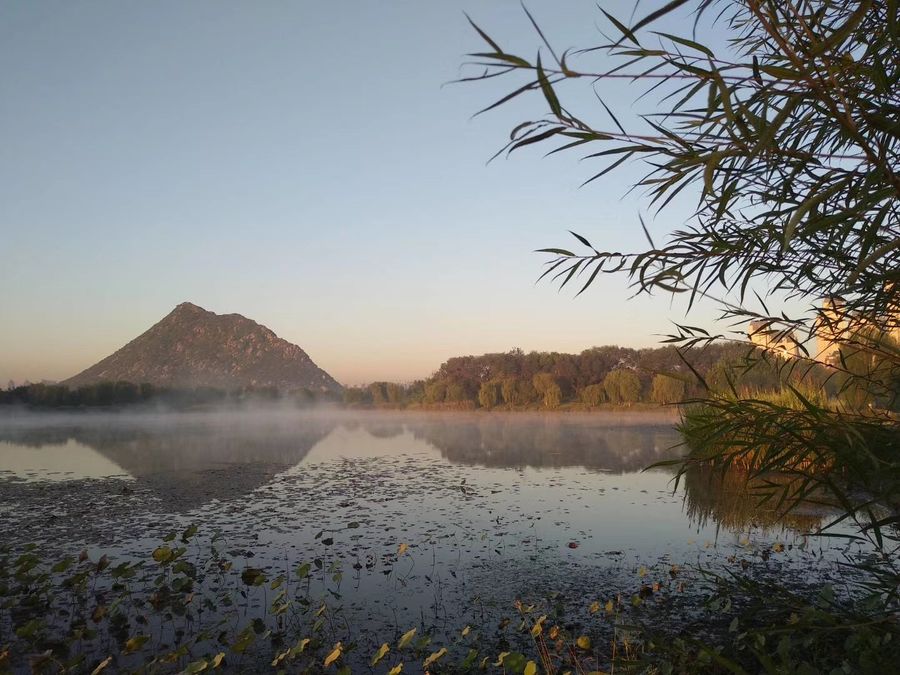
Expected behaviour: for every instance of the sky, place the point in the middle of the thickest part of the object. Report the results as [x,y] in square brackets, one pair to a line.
[304,164]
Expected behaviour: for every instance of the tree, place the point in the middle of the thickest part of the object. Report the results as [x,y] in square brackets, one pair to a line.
[622,386]
[666,389]
[548,388]
[393,393]
[489,395]
[436,392]
[788,140]
[378,392]
[593,395]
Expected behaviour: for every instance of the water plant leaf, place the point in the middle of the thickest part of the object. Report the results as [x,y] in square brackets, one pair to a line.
[252,576]
[396,669]
[334,655]
[102,665]
[434,657]
[406,638]
[162,554]
[245,639]
[189,532]
[380,654]
[514,662]
[135,643]
[530,668]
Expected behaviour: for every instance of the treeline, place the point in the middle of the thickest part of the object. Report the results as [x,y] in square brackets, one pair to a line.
[117,394]
[595,377]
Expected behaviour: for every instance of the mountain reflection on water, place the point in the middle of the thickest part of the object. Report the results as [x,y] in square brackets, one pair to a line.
[190,460]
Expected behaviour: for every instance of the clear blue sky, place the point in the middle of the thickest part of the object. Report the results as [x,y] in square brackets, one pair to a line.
[298,163]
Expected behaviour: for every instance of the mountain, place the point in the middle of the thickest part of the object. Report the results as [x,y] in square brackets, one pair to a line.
[192,347]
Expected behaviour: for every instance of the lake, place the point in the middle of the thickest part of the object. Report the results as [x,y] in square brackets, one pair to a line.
[378,521]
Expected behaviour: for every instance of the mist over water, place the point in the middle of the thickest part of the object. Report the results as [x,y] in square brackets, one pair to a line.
[492,507]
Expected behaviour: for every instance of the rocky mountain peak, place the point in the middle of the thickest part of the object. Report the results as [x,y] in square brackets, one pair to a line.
[192,347]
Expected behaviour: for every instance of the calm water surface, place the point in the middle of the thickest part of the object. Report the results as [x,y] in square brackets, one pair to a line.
[486,508]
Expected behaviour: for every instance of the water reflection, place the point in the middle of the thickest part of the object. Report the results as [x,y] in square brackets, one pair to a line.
[550,441]
[189,460]
[67,460]
[731,501]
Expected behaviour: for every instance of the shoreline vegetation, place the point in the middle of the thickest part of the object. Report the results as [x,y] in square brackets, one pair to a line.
[598,379]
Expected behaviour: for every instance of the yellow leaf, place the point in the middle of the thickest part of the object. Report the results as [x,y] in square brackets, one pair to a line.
[434,657]
[135,643]
[500,658]
[105,662]
[538,627]
[217,660]
[401,549]
[396,669]
[530,668]
[163,554]
[642,572]
[406,637]
[583,642]
[554,632]
[334,655]
[609,607]
[466,631]
[380,654]
[595,607]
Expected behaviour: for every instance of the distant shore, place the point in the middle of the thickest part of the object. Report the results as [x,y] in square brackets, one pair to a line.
[642,409]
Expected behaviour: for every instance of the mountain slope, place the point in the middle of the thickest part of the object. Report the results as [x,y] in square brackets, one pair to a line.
[192,347]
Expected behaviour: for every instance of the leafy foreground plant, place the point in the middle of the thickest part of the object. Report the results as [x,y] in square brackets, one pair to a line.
[187,608]
[787,136]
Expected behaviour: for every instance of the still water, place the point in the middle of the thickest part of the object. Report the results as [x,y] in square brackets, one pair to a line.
[407,519]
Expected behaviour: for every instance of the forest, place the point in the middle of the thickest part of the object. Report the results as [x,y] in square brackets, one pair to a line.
[600,376]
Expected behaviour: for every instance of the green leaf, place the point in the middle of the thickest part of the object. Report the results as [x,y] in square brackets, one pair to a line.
[547,90]
[484,36]
[687,43]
